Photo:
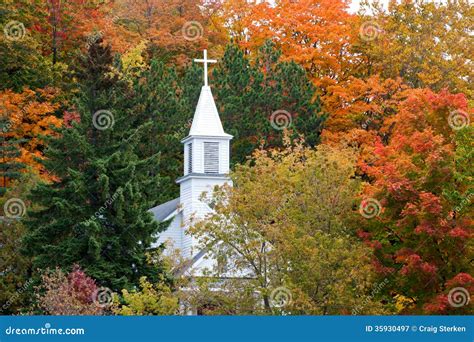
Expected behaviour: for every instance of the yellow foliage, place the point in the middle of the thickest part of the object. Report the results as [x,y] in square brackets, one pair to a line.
[402,303]
[152,299]
[133,61]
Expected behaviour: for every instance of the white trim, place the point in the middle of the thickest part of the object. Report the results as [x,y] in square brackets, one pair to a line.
[171,215]
[217,137]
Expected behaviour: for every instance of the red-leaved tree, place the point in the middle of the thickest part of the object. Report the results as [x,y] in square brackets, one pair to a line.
[69,294]
[416,211]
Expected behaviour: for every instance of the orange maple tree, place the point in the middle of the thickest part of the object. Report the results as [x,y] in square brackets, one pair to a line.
[315,34]
[170,28]
[31,117]
[360,111]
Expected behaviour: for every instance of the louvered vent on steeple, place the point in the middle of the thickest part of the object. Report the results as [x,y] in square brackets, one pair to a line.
[211,157]
[190,158]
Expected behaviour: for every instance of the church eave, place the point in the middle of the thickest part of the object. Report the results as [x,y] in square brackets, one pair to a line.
[202,176]
[163,211]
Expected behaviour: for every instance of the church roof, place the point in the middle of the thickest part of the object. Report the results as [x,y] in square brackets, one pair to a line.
[206,121]
[162,211]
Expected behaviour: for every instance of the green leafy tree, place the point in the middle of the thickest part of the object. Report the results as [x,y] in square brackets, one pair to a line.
[151,299]
[16,284]
[22,62]
[95,212]
[282,225]
[426,43]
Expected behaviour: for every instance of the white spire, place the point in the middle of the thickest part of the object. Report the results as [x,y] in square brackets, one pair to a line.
[206,121]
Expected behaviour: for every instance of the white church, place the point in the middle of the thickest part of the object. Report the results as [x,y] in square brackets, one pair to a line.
[206,165]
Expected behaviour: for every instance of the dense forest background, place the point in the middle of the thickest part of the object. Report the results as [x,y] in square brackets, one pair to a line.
[352,155]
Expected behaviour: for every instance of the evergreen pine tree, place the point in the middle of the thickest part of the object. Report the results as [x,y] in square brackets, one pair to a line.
[159,101]
[249,93]
[10,168]
[96,213]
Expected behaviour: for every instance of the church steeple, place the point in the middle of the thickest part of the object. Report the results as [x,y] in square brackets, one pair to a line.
[206,159]
[206,119]
[206,148]
[206,165]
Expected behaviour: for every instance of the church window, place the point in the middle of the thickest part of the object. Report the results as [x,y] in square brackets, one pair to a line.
[211,157]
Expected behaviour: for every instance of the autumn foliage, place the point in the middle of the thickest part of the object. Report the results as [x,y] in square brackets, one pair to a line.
[417,241]
[31,119]
[68,294]
[381,98]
